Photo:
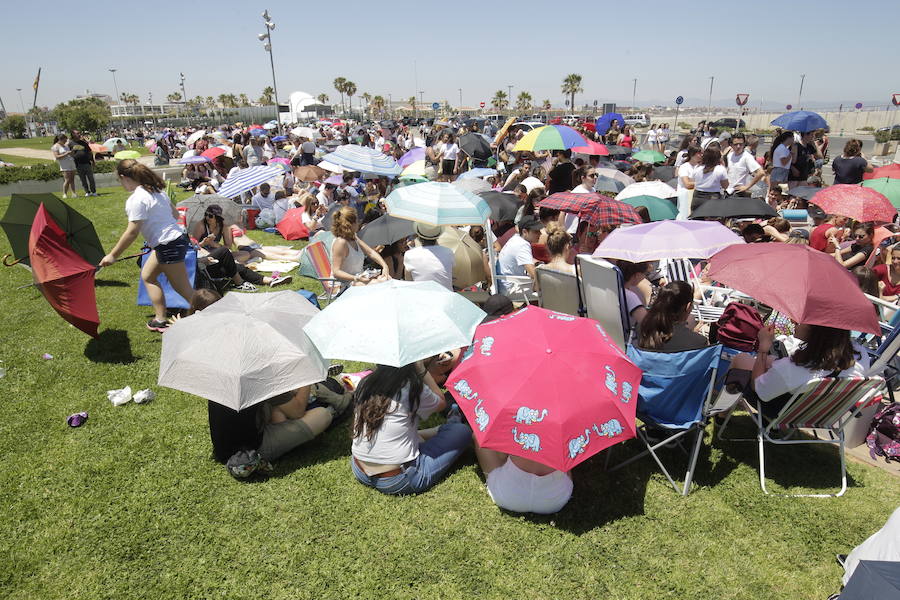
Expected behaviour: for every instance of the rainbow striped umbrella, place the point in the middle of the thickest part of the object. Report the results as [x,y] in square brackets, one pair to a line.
[550,137]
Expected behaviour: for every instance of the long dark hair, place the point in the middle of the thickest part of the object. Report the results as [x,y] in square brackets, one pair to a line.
[377,391]
[770,155]
[826,349]
[659,322]
[711,159]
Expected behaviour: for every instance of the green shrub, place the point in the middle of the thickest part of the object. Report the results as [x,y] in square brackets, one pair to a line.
[45,172]
[882,135]
[106,166]
[895,134]
[683,125]
[867,128]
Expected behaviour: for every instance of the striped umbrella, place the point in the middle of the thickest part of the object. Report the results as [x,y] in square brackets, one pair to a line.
[364,160]
[247,179]
[437,204]
[550,137]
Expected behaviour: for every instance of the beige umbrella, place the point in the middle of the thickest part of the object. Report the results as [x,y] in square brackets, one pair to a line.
[468,260]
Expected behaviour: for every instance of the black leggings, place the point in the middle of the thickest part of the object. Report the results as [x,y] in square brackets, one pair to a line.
[228,267]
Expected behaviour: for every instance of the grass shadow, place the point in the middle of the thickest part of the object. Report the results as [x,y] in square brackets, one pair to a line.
[110,283]
[112,346]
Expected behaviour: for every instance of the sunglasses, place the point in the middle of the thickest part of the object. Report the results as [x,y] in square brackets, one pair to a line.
[859,236]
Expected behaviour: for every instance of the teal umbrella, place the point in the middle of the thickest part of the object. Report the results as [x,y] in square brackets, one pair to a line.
[649,156]
[438,204]
[394,323]
[659,208]
[886,186]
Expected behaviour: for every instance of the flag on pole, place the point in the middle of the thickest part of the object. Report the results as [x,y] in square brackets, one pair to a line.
[37,83]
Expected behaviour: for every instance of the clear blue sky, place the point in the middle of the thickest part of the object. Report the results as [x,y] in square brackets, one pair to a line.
[759,47]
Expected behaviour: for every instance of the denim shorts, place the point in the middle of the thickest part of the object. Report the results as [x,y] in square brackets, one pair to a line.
[779,175]
[174,251]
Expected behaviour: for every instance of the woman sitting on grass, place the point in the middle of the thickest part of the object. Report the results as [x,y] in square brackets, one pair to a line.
[389,452]
[348,251]
[521,485]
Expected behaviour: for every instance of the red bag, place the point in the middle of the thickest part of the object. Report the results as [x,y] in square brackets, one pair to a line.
[739,327]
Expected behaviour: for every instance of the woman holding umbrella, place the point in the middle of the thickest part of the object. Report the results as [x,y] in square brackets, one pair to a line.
[151,213]
[858,252]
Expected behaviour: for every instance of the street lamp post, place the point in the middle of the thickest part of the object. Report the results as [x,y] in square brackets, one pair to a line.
[800,93]
[633,94]
[184,98]
[266,38]
[460,98]
[712,79]
[118,97]
[509,96]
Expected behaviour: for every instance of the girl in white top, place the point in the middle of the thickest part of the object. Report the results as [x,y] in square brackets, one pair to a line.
[521,485]
[710,177]
[652,138]
[662,136]
[447,153]
[782,157]
[313,212]
[686,170]
[63,155]
[348,251]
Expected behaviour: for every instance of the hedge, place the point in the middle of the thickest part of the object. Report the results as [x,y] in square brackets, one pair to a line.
[46,172]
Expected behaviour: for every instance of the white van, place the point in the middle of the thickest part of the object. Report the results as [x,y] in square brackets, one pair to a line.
[496,119]
[640,119]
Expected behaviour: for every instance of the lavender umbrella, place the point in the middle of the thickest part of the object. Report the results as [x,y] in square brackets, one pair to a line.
[194,160]
[412,156]
[667,239]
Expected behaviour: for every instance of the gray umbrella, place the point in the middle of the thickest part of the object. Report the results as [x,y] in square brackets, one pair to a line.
[805,192]
[608,184]
[873,579]
[385,230]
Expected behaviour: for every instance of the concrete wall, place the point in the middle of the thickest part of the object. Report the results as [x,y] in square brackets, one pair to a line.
[845,122]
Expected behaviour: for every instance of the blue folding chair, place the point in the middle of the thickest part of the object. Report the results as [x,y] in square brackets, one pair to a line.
[675,396]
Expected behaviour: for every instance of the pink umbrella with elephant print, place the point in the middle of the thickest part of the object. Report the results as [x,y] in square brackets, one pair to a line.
[546,386]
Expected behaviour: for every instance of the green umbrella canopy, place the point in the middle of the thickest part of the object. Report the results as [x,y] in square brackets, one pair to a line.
[659,208]
[887,186]
[80,232]
[650,156]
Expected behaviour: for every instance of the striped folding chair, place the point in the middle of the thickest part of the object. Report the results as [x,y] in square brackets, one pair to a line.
[318,259]
[827,404]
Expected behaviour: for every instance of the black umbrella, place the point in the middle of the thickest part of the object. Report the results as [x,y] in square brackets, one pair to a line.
[734,207]
[805,192]
[873,579]
[503,206]
[608,184]
[326,220]
[385,230]
[618,150]
[663,173]
[475,146]
[387,124]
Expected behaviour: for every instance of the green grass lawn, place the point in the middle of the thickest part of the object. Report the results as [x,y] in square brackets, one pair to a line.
[21,161]
[131,505]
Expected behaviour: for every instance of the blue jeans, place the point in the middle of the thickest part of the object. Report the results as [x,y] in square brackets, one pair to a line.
[436,456]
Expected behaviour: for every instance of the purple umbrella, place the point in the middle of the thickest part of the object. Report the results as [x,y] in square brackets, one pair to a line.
[667,239]
[194,160]
[412,156]
[335,179]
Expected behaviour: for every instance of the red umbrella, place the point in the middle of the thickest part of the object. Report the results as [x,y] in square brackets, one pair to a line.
[806,285]
[546,386]
[593,148]
[291,225]
[859,203]
[891,170]
[213,152]
[571,202]
[609,212]
[62,275]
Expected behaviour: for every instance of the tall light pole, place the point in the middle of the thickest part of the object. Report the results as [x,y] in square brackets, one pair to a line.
[266,38]
[118,97]
[422,98]
[21,103]
[633,93]
[712,79]
[184,98]
[509,95]
[800,93]
[460,98]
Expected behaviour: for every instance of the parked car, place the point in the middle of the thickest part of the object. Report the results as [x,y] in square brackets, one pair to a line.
[525,126]
[571,120]
[639,119]
[728,122]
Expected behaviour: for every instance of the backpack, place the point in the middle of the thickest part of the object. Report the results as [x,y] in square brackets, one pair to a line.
[884,435]
[738,327]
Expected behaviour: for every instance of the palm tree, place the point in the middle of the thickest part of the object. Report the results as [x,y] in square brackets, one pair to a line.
[322,98]
[350,89]
[245,101]
[367,98]
[223,100]
[268,95]
[173,97]
[378,105]
[499,101]
[340,84]
[571,86]
[523,102]
[210,101]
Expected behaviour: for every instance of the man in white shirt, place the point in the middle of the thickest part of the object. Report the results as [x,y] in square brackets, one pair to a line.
[326,195]
[429,262]
[743,170]
[516,258]
[264,198]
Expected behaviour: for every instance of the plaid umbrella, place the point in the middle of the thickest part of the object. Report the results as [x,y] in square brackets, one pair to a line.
[571,202]
[597,209]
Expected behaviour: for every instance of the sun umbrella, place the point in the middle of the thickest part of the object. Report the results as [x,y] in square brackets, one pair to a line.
[571,202]
[437,204]
[309,173]
[65,279]
[271,125]
[414,155]
[468,259]
[414,170]
[508,386]
[212,153]
[394,323]
[194,160]
[477,172]
[306,132]
[280,160]
[800,120]
[80,233]
[873,579]
[806,192]
[364,160]
[279,138]
[549,137]
[597,209]
[247,179]
[615,174]
[385,230]
[649,156]
[123,154]
[804,284]
[98,149]
[476,146]
[503,206]
[291,225]
[191,139]
[882,233]
[195,207]
[647,188]
[604,122]
[663,173]
[734,207]
[593,148]
[892,170]
[474,185]
[859,203]
[260,349]
[111,142]
[658,208]
[619,150]
[887,186]
[608,184]
[667,240]
[257,132]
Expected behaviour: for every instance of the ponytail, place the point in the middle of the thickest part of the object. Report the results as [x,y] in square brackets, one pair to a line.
[142,174]
[658,324]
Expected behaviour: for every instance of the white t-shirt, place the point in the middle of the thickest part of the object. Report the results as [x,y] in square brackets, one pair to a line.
[680,158]
[66,163]
[709,182]
[740,168]
[685,170]
[397,440]
[516,253]
[281,206]
[263,202]
[786,377]
[430,263]
[450,151]
[651,136]
[781,152]
[154,212]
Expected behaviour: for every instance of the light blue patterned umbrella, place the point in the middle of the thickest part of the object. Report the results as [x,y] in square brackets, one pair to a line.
[438,204]
[478,172]
[394,323]
[247,179]
[364,160]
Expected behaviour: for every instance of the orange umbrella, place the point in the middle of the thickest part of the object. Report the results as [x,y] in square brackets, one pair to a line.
[98,149]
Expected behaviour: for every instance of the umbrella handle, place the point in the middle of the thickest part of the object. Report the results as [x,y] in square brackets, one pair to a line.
[141,253]
[10,264]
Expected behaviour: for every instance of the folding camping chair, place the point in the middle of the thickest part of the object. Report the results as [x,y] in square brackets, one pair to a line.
[601,296]
[827,404]
[559,291]
[321,266]
[675,396]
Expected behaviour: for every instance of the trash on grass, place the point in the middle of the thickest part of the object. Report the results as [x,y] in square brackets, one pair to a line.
[47,356]
[119,397]
[144,396]
[77,419]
